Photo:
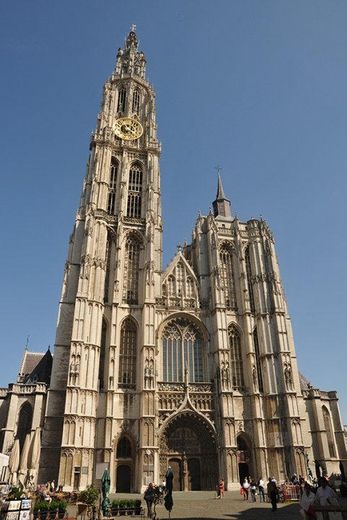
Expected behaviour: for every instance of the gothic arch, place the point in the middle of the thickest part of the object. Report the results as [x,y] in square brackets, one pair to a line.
[328,424]
[244,455]
[128,343]
[188,442]
[183,346]
[124,454]
[176,315]
[24,425]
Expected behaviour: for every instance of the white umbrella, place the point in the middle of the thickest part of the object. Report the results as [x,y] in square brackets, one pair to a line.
[34,454]
[23,467]
[13,461]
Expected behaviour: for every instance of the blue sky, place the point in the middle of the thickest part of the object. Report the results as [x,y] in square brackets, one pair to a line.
[257,87]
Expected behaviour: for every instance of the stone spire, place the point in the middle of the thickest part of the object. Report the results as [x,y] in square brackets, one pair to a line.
[221,206]
[129,60]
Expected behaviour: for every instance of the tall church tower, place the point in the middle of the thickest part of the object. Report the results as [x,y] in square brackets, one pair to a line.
[193,366]
[105,337]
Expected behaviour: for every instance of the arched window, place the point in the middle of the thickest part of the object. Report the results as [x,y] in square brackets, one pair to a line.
[121,100]
[171,285]
[227,277]
[127,355]
[258,361]
[236,358]
[111,203]
[329,432]
[136,101]
[123,448]
[249,279]
[131,270]
[102,355]
[179,279]
[190,287]
[182,349]
[134,192]
[24,422]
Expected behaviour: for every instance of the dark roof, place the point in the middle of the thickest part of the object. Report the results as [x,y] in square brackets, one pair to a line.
[36,367]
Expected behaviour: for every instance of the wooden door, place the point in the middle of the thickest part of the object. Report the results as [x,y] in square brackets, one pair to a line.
[176,466]
[194,482]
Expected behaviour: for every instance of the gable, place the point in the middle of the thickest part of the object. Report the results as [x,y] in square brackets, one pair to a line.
[179,283]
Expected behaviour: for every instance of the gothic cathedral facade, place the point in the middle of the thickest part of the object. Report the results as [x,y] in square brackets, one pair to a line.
[193,366]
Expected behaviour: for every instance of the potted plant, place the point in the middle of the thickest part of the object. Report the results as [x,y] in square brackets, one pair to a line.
[89,496]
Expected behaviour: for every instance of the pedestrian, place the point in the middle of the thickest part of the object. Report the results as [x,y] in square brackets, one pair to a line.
[326,496]
[149,499]
[261,490]
[272,493]
[306,503]
[245,487]
[253,488]
[220,488]
[169,480]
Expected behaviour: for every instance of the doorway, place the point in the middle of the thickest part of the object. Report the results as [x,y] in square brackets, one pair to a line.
[123,479]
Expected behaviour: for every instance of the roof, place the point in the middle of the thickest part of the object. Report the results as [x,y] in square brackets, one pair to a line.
[304,382]
[36,367]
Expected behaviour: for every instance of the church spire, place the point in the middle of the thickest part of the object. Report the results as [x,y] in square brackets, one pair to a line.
[221,206]
[129,60]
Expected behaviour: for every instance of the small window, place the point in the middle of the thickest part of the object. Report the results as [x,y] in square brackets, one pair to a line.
[136,101]
[122,100]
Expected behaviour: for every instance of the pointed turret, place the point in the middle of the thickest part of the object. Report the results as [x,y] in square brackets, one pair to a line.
[221,206]
[129,60]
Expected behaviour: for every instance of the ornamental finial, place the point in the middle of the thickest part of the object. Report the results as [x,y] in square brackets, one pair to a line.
[133,28]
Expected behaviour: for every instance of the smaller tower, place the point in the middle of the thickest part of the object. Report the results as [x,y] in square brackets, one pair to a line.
[221,206]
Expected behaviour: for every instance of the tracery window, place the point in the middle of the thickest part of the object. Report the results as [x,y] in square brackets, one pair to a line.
[190,287]
[227,277]
[131,270]
[258,361]
[111,203]
[121,100]
[136,101]
[182,349]
[249,279]
[123,448]
[24,422]
[127,355]
[329,432]
[236,358]
[102,355]
[134,192]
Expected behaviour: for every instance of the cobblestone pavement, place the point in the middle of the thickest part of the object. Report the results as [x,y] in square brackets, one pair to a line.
[194,505]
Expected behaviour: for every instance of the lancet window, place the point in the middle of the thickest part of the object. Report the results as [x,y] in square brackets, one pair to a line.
[236,358]
[127,355]
[227,277]
[258,361]
[249,279]
[102,355]
[134,192]
[329,432]
[122,100]
[182,350]
[24,422]
[136,101]
[131,270]
[111,203]
[123,448]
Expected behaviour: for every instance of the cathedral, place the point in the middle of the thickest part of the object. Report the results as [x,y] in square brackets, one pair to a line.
[192,366]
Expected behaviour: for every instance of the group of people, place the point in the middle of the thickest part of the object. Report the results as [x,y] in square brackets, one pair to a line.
[324,496]
[153,494]
[250,488]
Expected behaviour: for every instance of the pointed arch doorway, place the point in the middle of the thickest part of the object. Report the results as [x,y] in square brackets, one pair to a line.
[188,446]
[244,457]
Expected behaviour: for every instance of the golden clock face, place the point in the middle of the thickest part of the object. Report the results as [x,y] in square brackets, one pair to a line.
[128,129]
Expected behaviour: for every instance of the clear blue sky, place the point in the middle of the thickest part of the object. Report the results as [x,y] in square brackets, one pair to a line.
[257,87]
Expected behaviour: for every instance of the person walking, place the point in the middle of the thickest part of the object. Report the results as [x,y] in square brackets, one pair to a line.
[253,489]
[245,487]
[261,490]
[149,499]
[326,496]
[306,503]
[220,488]
[272,493]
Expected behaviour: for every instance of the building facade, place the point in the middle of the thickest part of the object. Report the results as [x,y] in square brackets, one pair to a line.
[193,366]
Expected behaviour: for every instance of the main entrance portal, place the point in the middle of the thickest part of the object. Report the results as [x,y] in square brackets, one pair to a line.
[188,446]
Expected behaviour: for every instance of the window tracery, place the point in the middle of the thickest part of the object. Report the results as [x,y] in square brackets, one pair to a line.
[329,432]
[111,203]
[249,279]
[258,361]
[131,270]
[227,277]
[182,350]
[127,355]
[135,192]
[136,101]
[121,100]
[236,358]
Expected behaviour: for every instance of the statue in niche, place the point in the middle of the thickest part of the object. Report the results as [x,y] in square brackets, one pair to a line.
[254,377]
[288,377]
